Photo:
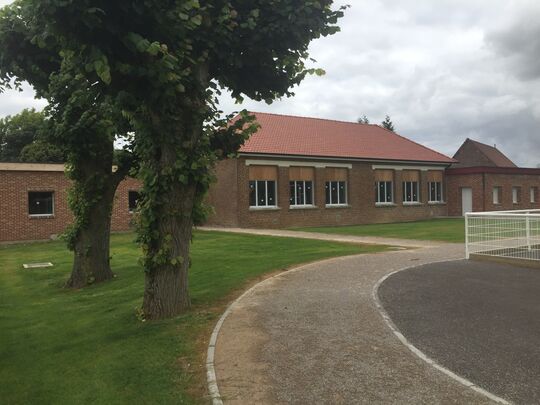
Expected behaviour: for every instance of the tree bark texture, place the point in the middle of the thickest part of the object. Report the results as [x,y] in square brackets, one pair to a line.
[91,263]
[166,285]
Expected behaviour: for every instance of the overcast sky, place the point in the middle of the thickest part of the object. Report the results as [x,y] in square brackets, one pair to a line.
[443,70]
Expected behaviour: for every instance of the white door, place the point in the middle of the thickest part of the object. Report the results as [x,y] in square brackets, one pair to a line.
[466,200]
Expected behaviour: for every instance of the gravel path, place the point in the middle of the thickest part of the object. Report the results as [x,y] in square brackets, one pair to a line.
[330,237]
[315,336]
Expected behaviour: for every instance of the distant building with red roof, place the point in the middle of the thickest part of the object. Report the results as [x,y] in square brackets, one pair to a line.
[485,179]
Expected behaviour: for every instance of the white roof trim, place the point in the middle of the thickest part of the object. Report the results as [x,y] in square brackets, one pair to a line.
[289,163]
[407,167]
[329,158]
[32,167]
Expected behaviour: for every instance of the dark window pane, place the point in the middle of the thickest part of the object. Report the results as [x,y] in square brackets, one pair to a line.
[309,193]
[389,191]
[342,193]
[40,203]
[300,192]
[291,193]
[252,194]
[271,192]
[414,186]
[133,197]
[327,192]
[261,193]
[334,192]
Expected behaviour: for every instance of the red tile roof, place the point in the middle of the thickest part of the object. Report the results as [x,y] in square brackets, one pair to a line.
[301,136]
[498,158]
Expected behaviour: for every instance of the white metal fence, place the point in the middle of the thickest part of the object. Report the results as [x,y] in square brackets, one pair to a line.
[512,234]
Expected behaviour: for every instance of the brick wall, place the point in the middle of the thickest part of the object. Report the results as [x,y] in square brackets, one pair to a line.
[17,225]
[361,207]
[482,185]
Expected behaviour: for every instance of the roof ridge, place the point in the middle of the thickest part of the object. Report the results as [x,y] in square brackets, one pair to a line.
[311,118]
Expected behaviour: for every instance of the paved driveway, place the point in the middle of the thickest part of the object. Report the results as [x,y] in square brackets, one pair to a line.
[316,336]
[478,319]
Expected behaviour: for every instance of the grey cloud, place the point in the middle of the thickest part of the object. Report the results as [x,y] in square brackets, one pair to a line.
[443,70]
[520,44]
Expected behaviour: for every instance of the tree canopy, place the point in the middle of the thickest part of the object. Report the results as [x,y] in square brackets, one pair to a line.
[165,63]
[387,124]
[23,138]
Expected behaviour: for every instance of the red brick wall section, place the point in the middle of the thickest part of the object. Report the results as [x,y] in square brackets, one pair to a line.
[361,197]
[222,196]
[483,200]
[17,225]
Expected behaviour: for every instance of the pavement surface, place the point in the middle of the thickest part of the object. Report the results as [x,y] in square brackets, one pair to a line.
[478,319]
[409,243]
[315,335]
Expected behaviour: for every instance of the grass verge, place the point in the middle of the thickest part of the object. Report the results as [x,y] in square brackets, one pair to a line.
[87,346]
[440,229]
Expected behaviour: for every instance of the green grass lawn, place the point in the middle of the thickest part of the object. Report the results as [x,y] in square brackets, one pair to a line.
[444,229]
[87,346]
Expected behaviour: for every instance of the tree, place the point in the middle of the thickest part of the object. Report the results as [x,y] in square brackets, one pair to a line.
[166,62]
[387,124]
[363,120]
[23,138]
[84,123]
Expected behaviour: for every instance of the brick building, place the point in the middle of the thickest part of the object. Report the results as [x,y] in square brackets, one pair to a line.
[33,202]
[299,171]
[484,179]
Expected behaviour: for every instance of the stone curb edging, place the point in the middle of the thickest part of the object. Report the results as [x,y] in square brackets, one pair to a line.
[213,388]
[417,352]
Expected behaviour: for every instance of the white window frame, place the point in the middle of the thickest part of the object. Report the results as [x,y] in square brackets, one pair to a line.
[411,202]
[295,204]
[532,192]
[496,195]
[265,194]
[339,203]
[42,215]
[438,190]
[378,194]
[515,195]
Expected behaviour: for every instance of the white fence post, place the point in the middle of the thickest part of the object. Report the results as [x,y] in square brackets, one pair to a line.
[528,231]
[467,235]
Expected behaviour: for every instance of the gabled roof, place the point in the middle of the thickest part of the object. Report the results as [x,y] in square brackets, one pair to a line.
[490,155]
[314,137]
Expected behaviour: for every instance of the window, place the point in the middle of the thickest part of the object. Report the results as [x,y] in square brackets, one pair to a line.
[435,191]
[410,192]
[301,193]
[516,195]
[384,192]
[411,188]
[336,193]
[497,195]
[534,192]
[41,203]
[384,186]
[133,197]
[262,193]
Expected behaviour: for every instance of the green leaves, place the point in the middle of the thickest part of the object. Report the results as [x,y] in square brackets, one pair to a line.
[103,70]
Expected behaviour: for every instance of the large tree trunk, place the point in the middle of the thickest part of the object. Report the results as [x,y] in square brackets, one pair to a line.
[91,246]
[166,284]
